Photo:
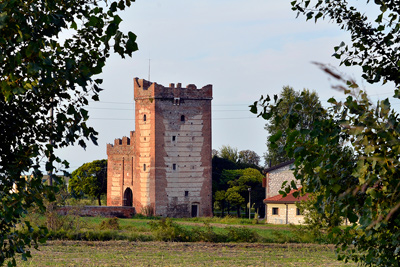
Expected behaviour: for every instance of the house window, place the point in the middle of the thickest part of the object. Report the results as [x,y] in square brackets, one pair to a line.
[173,138]
[186,193]
[183,118]
[275,211]
[144,117]
[174,167]
[144,167]
[298,212]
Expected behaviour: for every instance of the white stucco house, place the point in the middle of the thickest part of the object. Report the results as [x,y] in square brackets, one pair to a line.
[283,210]
[279,209]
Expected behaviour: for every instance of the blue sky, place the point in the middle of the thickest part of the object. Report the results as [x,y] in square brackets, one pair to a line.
[245,49]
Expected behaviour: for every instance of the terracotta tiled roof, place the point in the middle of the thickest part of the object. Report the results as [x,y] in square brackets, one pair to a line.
[286,200]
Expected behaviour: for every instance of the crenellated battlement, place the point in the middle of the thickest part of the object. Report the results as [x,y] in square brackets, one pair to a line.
[144,89]
[125,142]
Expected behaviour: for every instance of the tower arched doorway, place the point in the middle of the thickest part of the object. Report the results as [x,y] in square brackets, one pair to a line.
[128,197]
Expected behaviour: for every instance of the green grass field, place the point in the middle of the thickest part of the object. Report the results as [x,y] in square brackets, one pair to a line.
[276,245]
[124,253]
[140,226]
[138,229]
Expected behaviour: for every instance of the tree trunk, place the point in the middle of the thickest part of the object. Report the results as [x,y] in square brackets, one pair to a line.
[98,198]
[238,211]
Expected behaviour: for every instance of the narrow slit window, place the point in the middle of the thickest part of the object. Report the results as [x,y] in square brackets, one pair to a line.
[186,193]
[183,118]
[174,167]
[144,167]
[173,138]
[144,117]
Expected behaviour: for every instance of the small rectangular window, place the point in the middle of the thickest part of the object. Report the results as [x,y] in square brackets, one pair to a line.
[173,138]
[298,211]
[174,166]
[144,167]
[186,193]
[144,117]
[275,211]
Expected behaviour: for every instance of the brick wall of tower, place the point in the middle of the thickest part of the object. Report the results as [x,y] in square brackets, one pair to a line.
[174,191]
[145,151]
[120,169]
[187,144]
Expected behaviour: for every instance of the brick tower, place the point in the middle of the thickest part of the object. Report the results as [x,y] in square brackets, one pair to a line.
[164,167]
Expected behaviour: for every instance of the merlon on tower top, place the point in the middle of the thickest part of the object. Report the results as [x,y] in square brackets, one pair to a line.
[145,89]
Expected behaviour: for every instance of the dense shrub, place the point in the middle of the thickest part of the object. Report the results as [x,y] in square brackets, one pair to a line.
[206,234]
[309,234]
[110,224]
[242,234]
[146,217]
[148,211]
[97,235]
[166,230]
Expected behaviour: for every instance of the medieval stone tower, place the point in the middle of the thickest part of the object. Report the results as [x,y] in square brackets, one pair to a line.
[164,166]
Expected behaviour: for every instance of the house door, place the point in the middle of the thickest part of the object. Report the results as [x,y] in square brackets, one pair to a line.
[195,210]
[128,198]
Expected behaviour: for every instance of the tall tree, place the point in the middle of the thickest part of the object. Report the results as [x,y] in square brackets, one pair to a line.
[234,198]
[220,199]
[229,153]
[238,182]
[218,166]
[363,186]
[304,102]
[220,171]
[90,179]
[249,157]
[246,179]
[214,153]
[46,82]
